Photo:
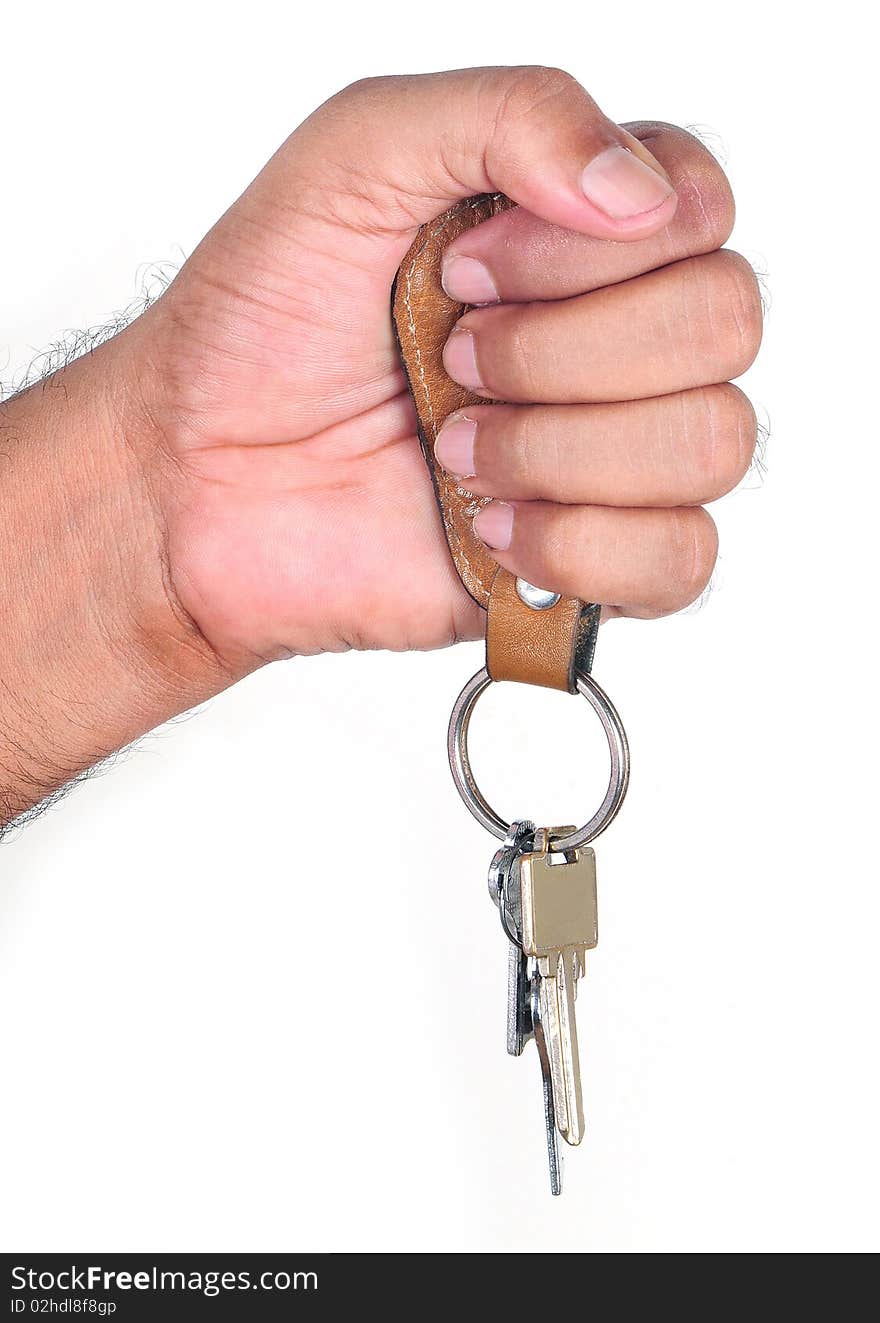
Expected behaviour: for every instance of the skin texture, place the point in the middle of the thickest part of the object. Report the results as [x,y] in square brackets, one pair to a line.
[236,477]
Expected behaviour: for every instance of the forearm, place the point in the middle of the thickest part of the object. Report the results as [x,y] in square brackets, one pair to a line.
[94,650]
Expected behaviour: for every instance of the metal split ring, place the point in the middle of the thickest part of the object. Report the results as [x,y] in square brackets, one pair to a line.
[618,748]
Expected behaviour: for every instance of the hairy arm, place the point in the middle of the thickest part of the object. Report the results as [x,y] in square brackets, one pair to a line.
[94,648]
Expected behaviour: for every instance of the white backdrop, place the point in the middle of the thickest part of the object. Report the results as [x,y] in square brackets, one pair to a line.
[218,1035]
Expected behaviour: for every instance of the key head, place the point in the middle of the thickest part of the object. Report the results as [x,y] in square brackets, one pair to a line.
[558,895]
[501,877]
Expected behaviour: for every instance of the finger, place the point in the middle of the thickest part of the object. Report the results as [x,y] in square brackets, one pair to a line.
[690,324]
[683,449]
[516,257]
[531,132]
[640,562]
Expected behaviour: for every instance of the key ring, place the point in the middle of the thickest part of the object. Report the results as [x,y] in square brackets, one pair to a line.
[618,748]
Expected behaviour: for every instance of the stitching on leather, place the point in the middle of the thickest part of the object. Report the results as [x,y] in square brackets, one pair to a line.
[452,532]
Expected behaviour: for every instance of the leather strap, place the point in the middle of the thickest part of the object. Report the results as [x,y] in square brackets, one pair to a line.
[543,647]
[546,646]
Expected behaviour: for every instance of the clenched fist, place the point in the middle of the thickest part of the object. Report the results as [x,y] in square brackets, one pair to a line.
[248,450]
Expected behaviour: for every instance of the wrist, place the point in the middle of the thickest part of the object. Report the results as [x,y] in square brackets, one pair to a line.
[96,648]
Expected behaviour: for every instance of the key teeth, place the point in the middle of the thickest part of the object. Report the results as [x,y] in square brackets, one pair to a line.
[519,1015]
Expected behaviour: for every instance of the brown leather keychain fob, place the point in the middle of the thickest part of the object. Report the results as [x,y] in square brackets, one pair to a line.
[543,881]
[546,640]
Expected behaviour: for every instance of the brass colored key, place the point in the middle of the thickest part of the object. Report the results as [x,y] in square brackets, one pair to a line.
[559,925]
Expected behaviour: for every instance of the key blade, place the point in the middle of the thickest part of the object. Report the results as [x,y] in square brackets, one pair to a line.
[557,994]
[568,966]
[554,1156]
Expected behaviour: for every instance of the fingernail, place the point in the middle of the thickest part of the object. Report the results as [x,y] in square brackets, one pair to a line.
[460,360]
[493,524]
[454,447]
[621,185]
[468,281]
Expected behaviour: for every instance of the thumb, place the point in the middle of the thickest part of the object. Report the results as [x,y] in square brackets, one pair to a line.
[410,146]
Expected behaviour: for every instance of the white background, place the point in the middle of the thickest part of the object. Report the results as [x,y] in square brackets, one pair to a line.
[251,986]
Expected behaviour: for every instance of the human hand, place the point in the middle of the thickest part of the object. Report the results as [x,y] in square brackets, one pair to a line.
[299,513]
[236,476]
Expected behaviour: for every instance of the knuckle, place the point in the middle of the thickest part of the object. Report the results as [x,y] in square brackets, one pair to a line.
[693,549]
[706,200]
[535,82]
[742,434]
[727,441]
[363,89]
[706,206]
[528,89]
[722,308]
[737,302]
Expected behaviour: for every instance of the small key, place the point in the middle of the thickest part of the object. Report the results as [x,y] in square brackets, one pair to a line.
[559,925]
[548,912]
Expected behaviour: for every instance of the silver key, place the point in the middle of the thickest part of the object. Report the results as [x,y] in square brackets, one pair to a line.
[559,925]
[548,912]
[523,1004]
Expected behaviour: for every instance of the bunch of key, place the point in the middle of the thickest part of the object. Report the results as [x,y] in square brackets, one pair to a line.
[547,904]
